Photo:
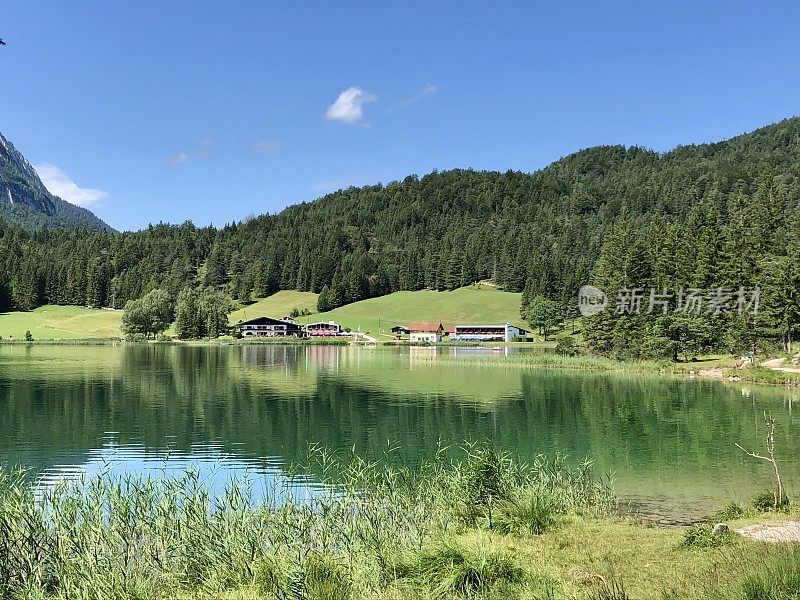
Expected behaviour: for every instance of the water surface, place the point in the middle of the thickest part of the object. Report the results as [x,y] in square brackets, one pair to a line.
[233,410]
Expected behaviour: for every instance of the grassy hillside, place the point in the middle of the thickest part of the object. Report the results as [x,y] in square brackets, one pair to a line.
[279,304]
[471,304]
[62,323]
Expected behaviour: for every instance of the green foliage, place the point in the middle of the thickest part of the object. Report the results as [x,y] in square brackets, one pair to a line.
[28,336]
[614,215]
[765,502]
[201,313]
[150,315]
[566,346]
[371,526]
[775,576]
[486,480]
[532,512]
[450,569]
[543,313]
[734,511]
[314,577]
[702,535]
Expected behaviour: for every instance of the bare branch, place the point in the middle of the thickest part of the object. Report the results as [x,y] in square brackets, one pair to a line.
[753,454]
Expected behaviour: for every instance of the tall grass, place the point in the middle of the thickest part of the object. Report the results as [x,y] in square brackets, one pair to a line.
[376,527]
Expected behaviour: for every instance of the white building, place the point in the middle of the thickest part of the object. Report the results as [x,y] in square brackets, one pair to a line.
[488,333]
[425,333]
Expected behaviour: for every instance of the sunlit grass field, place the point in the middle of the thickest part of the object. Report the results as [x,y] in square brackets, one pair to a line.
[61,323]
[473,304]
[277,305]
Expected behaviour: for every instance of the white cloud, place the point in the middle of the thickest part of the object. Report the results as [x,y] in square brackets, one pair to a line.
[267,146]
[200,153]
[349,106]
[59,184]
[178,159]
[429,90]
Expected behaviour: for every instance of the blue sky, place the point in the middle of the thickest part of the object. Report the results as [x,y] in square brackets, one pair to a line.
[156,111]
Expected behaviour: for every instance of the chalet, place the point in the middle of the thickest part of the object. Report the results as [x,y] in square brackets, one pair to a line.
[399,330]
[425,332]
[323,329]
[487,333]
[268,327]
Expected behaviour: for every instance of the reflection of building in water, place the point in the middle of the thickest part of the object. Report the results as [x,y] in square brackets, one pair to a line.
[269,356]
[464,351]
[422,355]
[324,357]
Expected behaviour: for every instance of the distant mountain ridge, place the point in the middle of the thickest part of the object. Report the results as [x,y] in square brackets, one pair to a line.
[25,201]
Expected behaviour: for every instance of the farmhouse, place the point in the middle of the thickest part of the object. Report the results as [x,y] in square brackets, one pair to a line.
[398,331]
[487,333]
[324,329]
[425,332]
[268,327]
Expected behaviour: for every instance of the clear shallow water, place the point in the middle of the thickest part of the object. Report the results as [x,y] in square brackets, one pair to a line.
[228,411]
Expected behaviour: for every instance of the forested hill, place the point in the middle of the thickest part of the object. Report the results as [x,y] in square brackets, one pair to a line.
[539,232]
[25,201]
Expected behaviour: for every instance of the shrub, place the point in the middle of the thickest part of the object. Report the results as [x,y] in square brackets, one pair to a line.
[765,501]
[28,336]
[733,511]
[566,347]
[702,535]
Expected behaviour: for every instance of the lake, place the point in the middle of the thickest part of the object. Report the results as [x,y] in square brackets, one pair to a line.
[254,410]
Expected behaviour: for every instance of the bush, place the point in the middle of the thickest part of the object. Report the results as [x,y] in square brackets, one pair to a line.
[566,347]
[733,511]
[702,536]
[28,336]
[765,502]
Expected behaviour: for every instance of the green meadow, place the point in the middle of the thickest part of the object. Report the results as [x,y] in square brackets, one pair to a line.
[472,304]
[61,323]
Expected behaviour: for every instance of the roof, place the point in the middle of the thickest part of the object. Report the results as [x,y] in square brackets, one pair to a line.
[424,327]
[325,323]
[503,326]
[266,321]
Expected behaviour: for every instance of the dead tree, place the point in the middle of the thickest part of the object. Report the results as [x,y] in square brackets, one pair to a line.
[770,458]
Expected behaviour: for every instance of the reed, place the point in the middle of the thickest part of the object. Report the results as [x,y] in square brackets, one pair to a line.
[370,527]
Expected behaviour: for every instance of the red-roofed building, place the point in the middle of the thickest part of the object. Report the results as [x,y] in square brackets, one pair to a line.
[425,332]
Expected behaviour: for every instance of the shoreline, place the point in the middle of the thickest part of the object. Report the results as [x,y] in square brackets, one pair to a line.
[768,372]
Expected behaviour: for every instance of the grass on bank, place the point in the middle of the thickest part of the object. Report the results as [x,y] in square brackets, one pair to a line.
[62,323]
[482,527]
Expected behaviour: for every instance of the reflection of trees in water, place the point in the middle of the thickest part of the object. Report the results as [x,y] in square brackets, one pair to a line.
[244,399]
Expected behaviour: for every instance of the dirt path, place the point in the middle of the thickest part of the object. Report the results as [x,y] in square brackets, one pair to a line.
[788,531]
[776,364]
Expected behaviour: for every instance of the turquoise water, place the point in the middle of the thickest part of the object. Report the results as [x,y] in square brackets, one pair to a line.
[254,410]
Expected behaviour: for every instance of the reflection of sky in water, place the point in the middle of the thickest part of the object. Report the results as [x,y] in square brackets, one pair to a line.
[215,468]
[250,411]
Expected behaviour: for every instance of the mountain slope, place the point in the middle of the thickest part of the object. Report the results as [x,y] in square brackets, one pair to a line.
[25,201]
[701,211]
